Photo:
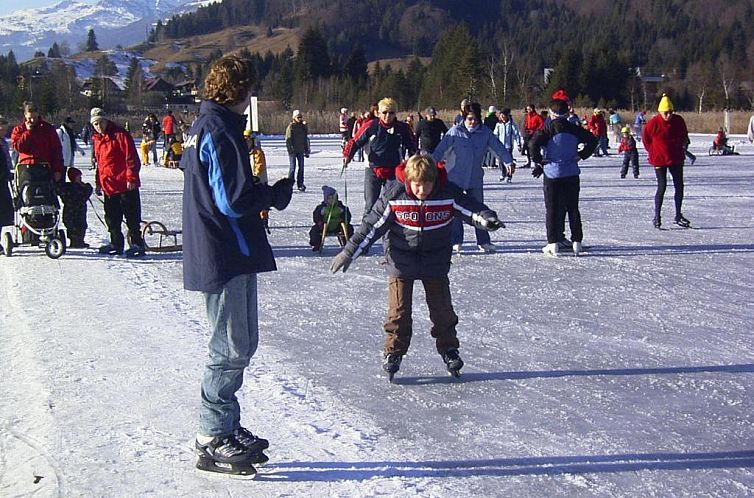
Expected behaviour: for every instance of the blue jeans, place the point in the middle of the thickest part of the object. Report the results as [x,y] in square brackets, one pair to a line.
[482,236]
[233,319]
[293,159]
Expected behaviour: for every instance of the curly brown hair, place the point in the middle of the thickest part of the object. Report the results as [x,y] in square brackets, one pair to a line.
[229,80]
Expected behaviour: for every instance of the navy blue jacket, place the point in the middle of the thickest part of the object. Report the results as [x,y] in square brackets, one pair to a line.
[560,140]
[223,234]
[386,143]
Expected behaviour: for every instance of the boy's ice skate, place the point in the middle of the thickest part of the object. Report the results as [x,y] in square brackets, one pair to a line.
[224,455]
[453,362]
[135,251]
[391,364]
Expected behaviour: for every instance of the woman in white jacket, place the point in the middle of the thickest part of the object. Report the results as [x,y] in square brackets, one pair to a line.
[68,142]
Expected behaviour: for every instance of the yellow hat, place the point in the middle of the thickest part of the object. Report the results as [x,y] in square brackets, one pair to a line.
[665,104]
[246,133]
[626,130]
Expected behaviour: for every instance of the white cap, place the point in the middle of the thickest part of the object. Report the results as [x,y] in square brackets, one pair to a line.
[296,113]
[344,110]
[492,109]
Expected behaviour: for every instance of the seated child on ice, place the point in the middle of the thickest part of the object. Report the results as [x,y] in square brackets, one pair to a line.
[415,215]
[331,215]
[74,194]
[630,153]
[721,143]
[173,154]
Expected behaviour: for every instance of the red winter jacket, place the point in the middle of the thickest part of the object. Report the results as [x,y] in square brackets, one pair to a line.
[40,144]
[117,159]
[168,124]
[533,122]
[597,125]
[665,140]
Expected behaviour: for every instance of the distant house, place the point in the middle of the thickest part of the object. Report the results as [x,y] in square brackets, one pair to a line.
[158,85]
[106,83]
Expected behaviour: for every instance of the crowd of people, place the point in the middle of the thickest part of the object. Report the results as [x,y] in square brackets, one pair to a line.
[423,179]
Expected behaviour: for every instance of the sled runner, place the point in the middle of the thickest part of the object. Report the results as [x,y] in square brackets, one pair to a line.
[157,238]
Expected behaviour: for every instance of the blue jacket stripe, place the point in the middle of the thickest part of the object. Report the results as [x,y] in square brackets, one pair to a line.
[208,155]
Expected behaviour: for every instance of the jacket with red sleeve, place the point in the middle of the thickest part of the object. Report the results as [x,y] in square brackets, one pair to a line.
[627,144]
[38,145]
[665,140]
[386,144]
[117,160]
[417,233]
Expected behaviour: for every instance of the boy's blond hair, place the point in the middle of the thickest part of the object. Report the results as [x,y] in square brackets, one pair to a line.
[421,168]
[386,103]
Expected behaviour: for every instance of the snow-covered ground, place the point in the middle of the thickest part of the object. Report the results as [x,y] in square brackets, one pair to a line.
[625,372]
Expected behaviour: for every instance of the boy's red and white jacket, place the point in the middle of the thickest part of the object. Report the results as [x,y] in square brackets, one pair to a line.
[418,242]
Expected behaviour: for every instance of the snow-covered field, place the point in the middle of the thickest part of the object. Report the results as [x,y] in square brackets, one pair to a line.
[625,372]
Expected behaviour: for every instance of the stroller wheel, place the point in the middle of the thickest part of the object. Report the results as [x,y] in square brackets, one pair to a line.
[55,248]
[8,244]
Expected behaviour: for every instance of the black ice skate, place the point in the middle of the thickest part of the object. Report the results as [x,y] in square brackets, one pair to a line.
[135,251]
[254,444]
[392,364]
[453,362]
[682,222]
[225,455]
[110,250]
[657,222]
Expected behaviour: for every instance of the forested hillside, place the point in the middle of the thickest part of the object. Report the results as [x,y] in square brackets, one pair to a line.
[498,50]
[495,51]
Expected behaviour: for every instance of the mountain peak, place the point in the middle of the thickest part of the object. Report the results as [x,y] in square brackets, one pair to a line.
[115,22]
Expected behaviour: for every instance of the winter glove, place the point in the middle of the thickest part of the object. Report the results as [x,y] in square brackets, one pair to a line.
[490,221]
[282,192]
[342,260]
[537,171]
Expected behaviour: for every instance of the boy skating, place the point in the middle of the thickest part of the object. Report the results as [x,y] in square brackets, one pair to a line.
[415,215]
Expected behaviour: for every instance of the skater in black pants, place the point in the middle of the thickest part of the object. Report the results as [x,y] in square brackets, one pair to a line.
[665,138]
[560,140]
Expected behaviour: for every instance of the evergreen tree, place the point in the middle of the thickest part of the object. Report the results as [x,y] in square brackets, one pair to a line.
[91,41]
[355,67]
[54,51]
[312,59]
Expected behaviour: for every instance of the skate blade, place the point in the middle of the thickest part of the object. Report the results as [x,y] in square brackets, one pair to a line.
[233,470]
[455,373]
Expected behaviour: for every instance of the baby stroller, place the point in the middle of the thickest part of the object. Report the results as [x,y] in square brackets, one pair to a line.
[37,212]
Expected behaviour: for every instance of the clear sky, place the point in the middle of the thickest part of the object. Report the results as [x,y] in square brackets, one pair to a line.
[11,5]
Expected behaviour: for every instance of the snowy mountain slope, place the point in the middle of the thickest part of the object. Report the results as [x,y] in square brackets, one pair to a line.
[626,372]
[115,22]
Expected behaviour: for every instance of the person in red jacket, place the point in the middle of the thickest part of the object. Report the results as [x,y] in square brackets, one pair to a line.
[36,141]
[168,129]
[665,137]
[598,126]
[532,122]
[117,178]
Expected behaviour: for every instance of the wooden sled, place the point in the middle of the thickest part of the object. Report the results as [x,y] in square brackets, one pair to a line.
[157,238]
[341,234]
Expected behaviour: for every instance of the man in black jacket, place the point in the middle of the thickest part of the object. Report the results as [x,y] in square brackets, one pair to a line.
[430,131]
